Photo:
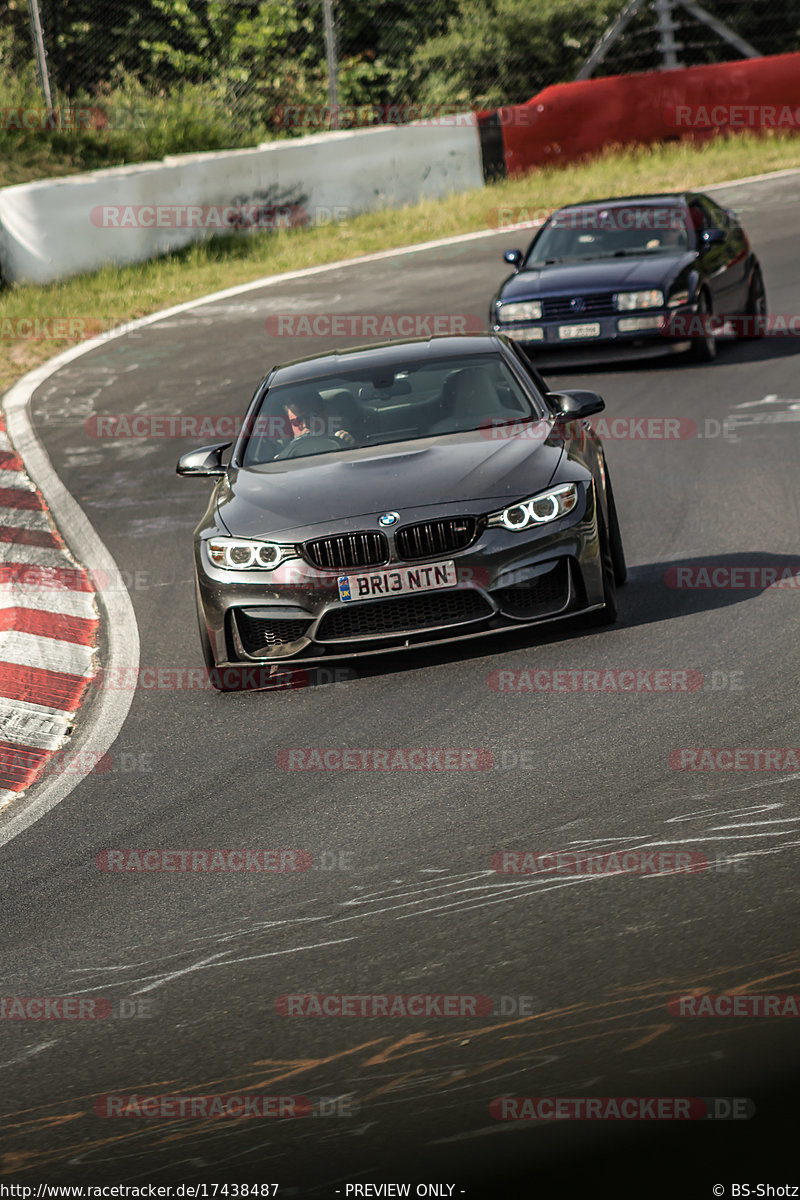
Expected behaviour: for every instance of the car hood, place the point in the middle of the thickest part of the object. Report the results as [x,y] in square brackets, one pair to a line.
[474,471]
[607,274]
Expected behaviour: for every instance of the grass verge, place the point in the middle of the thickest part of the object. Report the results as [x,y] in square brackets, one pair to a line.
[117,294]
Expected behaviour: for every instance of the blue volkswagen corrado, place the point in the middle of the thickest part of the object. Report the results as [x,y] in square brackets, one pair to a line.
[632,276]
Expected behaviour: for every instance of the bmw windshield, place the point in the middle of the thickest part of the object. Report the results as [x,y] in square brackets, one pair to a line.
[373,407]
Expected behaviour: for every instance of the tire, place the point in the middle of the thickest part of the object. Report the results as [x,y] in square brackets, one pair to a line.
[704,349]
[607,615]
[756,302]
[615,538]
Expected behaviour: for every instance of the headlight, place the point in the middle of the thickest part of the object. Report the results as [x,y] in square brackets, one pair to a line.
[539,510]
[528,310]
[628,300]
[239,554]
[678,298]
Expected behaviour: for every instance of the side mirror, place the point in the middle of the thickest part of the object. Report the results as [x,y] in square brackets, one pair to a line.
[577,404]
[514,257]
[207,460]
[712,237]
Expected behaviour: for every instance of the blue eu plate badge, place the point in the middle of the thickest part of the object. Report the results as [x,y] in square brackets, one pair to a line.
[344,588]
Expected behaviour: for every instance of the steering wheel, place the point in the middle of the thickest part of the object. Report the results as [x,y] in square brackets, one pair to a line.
[310,443]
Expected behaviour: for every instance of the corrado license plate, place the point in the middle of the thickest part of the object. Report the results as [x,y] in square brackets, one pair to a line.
[397,580]
[579,331]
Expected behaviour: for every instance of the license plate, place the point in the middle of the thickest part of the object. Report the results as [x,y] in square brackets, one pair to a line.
[579,331]
[370,584]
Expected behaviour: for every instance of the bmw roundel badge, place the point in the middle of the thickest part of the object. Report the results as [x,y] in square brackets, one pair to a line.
[390,518]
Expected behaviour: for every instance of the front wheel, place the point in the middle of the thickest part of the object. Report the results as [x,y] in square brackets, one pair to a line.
[607,615]
[615,538]
[756,303]
[704,348]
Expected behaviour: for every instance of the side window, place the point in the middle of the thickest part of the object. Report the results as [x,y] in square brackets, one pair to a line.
[713,216]
[531,376]
[722,219]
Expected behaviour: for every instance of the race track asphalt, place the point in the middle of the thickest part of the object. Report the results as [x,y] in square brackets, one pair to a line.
[401,897]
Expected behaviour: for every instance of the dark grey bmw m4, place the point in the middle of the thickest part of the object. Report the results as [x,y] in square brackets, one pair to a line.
[397,495]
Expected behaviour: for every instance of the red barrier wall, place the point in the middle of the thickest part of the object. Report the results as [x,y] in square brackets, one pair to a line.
[572,120]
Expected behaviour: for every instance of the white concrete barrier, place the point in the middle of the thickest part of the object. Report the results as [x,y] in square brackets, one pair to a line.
[59,227]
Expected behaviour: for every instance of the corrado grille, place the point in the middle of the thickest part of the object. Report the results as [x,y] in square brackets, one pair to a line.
[406,614]
[559,308]
[265,633]
[430,538]
[367,549]
[547,593]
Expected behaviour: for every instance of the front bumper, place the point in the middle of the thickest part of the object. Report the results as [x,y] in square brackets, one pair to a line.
[506,581]
[607,341]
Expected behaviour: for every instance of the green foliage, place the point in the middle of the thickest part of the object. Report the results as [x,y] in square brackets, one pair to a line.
[183,75]
[504,51]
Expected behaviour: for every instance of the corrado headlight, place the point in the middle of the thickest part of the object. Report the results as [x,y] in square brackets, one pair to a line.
[527,310]
[538,510]
[241,554]
[654,298]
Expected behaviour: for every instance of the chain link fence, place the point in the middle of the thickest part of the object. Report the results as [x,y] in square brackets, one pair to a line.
[203,74]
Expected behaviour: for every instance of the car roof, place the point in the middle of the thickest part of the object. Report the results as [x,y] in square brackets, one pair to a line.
[384,354]
[651,198]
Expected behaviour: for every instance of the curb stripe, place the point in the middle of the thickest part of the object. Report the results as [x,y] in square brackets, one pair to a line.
[9,461]
[24,518]
[65,658]
[44,623]
[19,765]
[55,688]
[30,537]
[46,578]
[19,498]
[73,604]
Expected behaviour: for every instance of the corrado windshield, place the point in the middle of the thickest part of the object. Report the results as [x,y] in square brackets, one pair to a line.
[584,234]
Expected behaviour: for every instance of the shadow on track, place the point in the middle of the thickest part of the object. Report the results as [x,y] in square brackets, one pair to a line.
[729,353]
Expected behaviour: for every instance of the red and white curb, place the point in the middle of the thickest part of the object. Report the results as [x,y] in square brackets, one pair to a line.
[48,630]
